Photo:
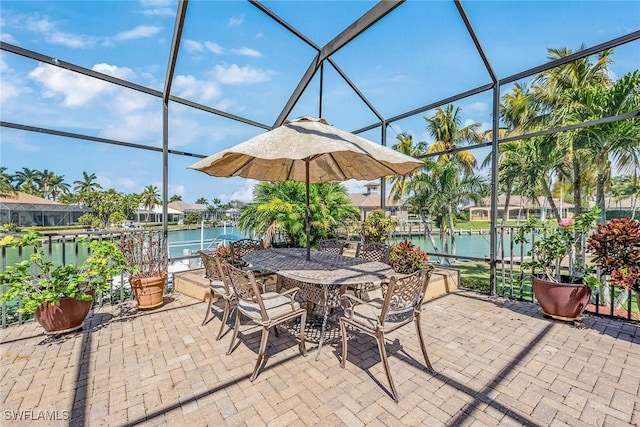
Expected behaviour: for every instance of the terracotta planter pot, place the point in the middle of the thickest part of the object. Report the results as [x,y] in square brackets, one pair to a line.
[64,317]
[149,291]
[564,301]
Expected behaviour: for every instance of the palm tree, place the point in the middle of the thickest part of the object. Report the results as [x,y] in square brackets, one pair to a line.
[6,189]
[26,180]
[444,189]
[84,187]
[57,187]
[617,141]
[627,186]
[150,198]
[559,96]
[406,146]
[175,198]
[202,201]
[281,206]
[445,127]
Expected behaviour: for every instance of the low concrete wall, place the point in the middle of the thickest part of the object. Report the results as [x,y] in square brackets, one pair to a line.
[443,281]
[193,283]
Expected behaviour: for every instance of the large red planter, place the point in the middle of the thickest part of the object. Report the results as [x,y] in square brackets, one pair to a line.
[149,291]
[564,301]
[66,316]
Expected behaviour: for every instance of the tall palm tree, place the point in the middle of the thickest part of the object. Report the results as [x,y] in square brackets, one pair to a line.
[175,198]
[84,187]
[26,180]
[445,126]
[57,187]
[559,94]
[616,142]
[45,178]
[150,198]
[443,187]
[202,201]
[405,145]
[6,189]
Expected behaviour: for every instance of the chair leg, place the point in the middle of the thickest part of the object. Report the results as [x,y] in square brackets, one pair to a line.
[236,326]
[385,363]
[206,316]
[343,333]
[303,324]
[263,346]
[421,339]
[225,316]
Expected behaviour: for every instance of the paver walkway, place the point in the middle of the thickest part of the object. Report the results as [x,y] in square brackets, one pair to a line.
[498,362]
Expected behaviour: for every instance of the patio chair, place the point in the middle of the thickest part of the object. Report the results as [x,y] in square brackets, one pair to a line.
[332,246]
[267,309]
[401,304]
[240,248]
[372,251]
[219,285]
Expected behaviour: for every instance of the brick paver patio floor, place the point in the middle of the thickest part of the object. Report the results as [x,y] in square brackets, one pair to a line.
[498,362]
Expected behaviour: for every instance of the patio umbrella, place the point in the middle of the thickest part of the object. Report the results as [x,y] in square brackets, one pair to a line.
[311,151]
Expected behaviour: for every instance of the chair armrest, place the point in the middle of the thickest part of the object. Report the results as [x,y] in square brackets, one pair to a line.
[349,301]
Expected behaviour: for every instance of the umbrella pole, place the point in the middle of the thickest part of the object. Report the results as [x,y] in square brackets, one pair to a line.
[308,211]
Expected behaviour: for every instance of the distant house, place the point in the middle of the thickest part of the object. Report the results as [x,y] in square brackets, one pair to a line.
[186,208]
[519,208]
[370,201]
[27,210]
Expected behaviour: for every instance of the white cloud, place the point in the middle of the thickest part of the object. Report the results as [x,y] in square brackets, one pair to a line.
[143,126]
[243,194]
[176,189]
[158,7]
[126,182]
[191,88]
[8,90]
[76,89]
[8,38]
[140,31]
[70,40]
[245,51]
[236,21]
[193,46]
[38,25]
[213,47]
[233,75]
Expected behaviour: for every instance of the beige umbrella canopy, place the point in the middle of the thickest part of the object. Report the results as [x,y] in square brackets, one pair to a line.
[307,150]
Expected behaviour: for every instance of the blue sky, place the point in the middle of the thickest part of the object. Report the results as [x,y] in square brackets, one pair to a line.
[234,58]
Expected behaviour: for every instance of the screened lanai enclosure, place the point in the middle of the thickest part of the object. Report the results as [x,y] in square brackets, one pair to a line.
[135,92]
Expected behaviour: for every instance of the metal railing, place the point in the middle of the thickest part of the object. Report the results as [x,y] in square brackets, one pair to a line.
[514,278]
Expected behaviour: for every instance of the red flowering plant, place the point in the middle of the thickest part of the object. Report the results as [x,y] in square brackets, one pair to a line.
[406,258]
[616,250]
[224,252]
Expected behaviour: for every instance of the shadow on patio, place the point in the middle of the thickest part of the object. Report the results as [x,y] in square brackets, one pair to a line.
[497,363]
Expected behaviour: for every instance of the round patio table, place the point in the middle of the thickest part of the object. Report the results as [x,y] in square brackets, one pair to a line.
[320,279]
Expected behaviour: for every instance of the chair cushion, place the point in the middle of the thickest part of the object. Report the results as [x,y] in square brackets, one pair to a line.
[218,288]
[275,304]
[367,314]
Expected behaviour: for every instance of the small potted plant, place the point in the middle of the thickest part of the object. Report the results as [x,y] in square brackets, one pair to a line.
[557,249]
[615,247]
[146,255]
[406,258]
[59,296]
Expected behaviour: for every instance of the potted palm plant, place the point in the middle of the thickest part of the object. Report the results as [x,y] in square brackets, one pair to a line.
[59,296]
[146,255]
[615,247]
[558,263]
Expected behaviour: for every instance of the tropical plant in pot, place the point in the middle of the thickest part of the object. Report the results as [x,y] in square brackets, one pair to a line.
[146,255]
[59,296]
[407,258]
[558,248]
[615,247]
